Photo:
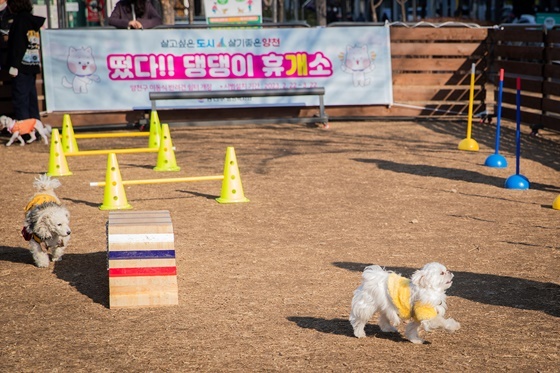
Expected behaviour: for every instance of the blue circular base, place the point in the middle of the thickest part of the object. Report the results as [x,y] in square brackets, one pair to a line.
[496,160]
[519,182]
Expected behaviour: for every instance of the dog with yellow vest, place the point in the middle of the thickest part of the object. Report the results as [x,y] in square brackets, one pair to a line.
[47,223]
[420,300]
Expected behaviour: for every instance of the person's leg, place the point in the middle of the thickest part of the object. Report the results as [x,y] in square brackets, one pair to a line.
[33,99]
[20,96]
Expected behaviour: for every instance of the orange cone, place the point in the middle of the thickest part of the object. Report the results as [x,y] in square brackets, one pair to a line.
[58,166]
[114,197]
[69,144]
[232,189]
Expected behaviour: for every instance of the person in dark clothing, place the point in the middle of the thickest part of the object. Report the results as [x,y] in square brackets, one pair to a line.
[6,19]
[521,7]
[135,14]
[24,58]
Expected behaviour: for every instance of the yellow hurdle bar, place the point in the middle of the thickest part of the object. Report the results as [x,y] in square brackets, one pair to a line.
[108,135]
[116,151]
[162,181]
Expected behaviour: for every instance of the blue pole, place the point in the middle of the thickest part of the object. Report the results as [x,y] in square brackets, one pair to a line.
[518,132]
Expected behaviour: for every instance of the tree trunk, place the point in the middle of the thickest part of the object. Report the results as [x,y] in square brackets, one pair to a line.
[168,15]
[346,10]
[191,11]
[321,9]
[280,10]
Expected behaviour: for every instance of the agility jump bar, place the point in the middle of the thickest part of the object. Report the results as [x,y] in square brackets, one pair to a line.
[103,135]
[116,151]
[162,181]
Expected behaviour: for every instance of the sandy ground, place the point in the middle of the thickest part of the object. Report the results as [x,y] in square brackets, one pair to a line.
[266,285]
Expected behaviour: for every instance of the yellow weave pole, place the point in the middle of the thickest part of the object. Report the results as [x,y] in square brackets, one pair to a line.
[163,181]
[109,151]
[468,143]
[103,135]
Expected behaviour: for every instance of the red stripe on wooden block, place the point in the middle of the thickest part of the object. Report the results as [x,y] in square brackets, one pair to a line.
[143,271]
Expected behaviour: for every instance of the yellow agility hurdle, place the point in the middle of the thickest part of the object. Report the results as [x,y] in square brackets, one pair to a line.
[58,165]
[104,135]
[114,197]
[161,181]
[109,151]
[70,145]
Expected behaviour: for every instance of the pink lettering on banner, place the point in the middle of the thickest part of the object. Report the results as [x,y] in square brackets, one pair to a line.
[218,66]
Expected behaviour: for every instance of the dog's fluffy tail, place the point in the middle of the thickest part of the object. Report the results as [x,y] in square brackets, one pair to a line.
[44,183]
[374,275]
[372,270]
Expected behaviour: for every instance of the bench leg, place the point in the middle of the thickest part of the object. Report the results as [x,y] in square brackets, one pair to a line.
[322,112]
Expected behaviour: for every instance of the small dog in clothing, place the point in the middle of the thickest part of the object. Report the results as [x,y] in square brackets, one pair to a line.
[47,223]
[25,127]
[421,300]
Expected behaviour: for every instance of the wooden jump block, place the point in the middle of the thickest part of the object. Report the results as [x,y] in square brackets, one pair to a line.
[141,259]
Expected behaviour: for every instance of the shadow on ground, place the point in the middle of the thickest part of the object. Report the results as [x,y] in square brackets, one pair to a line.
[341,327]
[537,149]
[15,254]
[449,173]
[491,289]
[87,273]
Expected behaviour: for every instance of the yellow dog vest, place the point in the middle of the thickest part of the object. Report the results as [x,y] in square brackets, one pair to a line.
[399,291]
[39,199]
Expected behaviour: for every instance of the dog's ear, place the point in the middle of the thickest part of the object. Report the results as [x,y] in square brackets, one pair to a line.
[420,279]
[43,226]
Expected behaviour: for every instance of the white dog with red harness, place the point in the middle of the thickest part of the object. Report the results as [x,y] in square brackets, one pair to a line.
[25,127]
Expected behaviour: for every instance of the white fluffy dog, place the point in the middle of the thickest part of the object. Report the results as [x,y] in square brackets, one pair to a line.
[47,224]
[420,300]
[23,127]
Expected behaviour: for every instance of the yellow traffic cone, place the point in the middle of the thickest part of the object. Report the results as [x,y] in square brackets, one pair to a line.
[114,197]
[57,160]
[232,189]
[166,156]
[69,144]
[556,203]
[155,131]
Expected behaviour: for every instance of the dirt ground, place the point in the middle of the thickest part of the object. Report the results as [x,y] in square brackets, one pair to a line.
[266,285]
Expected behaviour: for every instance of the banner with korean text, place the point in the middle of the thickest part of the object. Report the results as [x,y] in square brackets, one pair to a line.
[116,69]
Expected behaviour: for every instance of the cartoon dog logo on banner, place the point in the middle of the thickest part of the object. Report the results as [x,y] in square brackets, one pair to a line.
[82,64]
[358,61]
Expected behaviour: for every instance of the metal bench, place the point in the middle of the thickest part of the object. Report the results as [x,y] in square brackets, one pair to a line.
[317,91]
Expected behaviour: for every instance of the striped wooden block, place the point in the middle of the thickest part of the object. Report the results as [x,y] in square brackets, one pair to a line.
[141,259]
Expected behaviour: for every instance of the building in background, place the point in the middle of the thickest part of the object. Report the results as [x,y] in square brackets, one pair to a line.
[91,13]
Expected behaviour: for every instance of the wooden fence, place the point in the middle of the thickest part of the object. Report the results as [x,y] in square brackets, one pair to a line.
[431,72]
[533,55]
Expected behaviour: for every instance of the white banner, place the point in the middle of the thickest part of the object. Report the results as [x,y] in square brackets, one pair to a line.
[116,69]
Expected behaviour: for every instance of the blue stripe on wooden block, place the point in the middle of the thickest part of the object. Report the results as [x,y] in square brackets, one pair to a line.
[140,254]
